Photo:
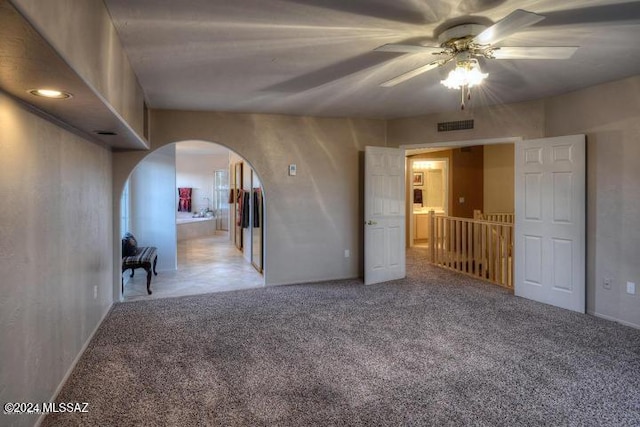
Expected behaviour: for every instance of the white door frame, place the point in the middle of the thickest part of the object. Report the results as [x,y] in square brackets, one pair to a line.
[463,143]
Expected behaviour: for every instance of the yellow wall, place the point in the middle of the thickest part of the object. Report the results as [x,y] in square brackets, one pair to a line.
[498,178]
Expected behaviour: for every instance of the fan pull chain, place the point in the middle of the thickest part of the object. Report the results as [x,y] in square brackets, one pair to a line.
[462,95]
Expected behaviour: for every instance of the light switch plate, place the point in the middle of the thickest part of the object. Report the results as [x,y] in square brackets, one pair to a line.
[292,169]
[631,288]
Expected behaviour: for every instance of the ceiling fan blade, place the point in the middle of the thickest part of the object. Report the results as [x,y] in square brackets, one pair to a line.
[407,48]
[512,23]
[410,74]
[534,52]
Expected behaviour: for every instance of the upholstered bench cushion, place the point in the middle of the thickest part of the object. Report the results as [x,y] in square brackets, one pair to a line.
[144,255]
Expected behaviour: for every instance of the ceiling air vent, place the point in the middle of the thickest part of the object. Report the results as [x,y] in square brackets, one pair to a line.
[458,125]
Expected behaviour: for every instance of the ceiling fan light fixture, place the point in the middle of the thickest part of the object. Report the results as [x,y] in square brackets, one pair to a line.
[467,74]
[464,76]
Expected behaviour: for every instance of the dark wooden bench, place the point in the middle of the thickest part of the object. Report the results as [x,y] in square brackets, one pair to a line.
[144,257]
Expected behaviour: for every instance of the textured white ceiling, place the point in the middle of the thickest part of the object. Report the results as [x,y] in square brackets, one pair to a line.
[315,57]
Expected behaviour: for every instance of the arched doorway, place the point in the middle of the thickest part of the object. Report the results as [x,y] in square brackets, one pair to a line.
[196,240]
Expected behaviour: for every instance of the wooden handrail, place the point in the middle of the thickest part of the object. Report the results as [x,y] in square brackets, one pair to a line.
[479,248]
[508,217]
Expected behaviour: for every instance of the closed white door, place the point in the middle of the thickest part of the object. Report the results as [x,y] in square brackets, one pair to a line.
[550,221]
[384,215]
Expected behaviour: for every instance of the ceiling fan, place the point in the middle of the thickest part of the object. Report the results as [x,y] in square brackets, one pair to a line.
[468,42]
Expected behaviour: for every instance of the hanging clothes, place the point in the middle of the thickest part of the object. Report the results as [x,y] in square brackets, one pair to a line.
[246,199]
[417,196]
[184,203]
[257,207]
[239,209]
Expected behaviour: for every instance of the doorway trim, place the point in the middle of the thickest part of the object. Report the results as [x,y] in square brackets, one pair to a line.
[463,143]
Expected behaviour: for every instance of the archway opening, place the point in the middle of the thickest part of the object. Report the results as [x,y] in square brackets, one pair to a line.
[206,221]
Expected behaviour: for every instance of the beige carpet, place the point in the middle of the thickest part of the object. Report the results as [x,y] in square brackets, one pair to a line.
[435,349]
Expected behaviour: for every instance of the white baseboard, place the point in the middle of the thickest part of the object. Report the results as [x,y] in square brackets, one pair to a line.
[74,363]
[613,319]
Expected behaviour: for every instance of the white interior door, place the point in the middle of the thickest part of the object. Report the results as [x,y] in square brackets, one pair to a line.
[384,215]
[550,221]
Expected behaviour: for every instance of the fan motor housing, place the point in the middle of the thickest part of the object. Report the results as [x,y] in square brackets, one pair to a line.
[458,37]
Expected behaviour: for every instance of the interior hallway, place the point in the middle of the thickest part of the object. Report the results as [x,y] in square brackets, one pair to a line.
[205,265]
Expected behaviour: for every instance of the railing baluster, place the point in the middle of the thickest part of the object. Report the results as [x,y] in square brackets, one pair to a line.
[431,236]
[478,248]
[463,252]
[505,257]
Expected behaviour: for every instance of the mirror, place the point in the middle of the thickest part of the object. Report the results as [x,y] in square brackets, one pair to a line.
[237,220]
[256,222]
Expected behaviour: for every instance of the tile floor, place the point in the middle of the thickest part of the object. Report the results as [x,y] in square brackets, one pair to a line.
[205,265]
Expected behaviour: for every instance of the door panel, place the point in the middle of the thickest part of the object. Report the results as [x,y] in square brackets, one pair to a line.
[550,221]
[533,196]
[562,185]
[377,251]
[384,199]
[563,256]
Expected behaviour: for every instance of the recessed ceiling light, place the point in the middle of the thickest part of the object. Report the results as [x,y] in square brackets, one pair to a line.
[50,93]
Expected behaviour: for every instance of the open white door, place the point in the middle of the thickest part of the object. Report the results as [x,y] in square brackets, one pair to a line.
[550,221]
[384,215]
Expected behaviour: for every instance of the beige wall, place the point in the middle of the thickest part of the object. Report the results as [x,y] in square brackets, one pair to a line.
[310,218]
[609,115]
[82,33]
[55,247]
[520,120]
[498,178]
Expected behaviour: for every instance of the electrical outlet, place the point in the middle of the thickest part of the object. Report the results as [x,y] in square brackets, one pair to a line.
[461,200]
[347,253]
[606,283]
[95,291]
[631,288]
